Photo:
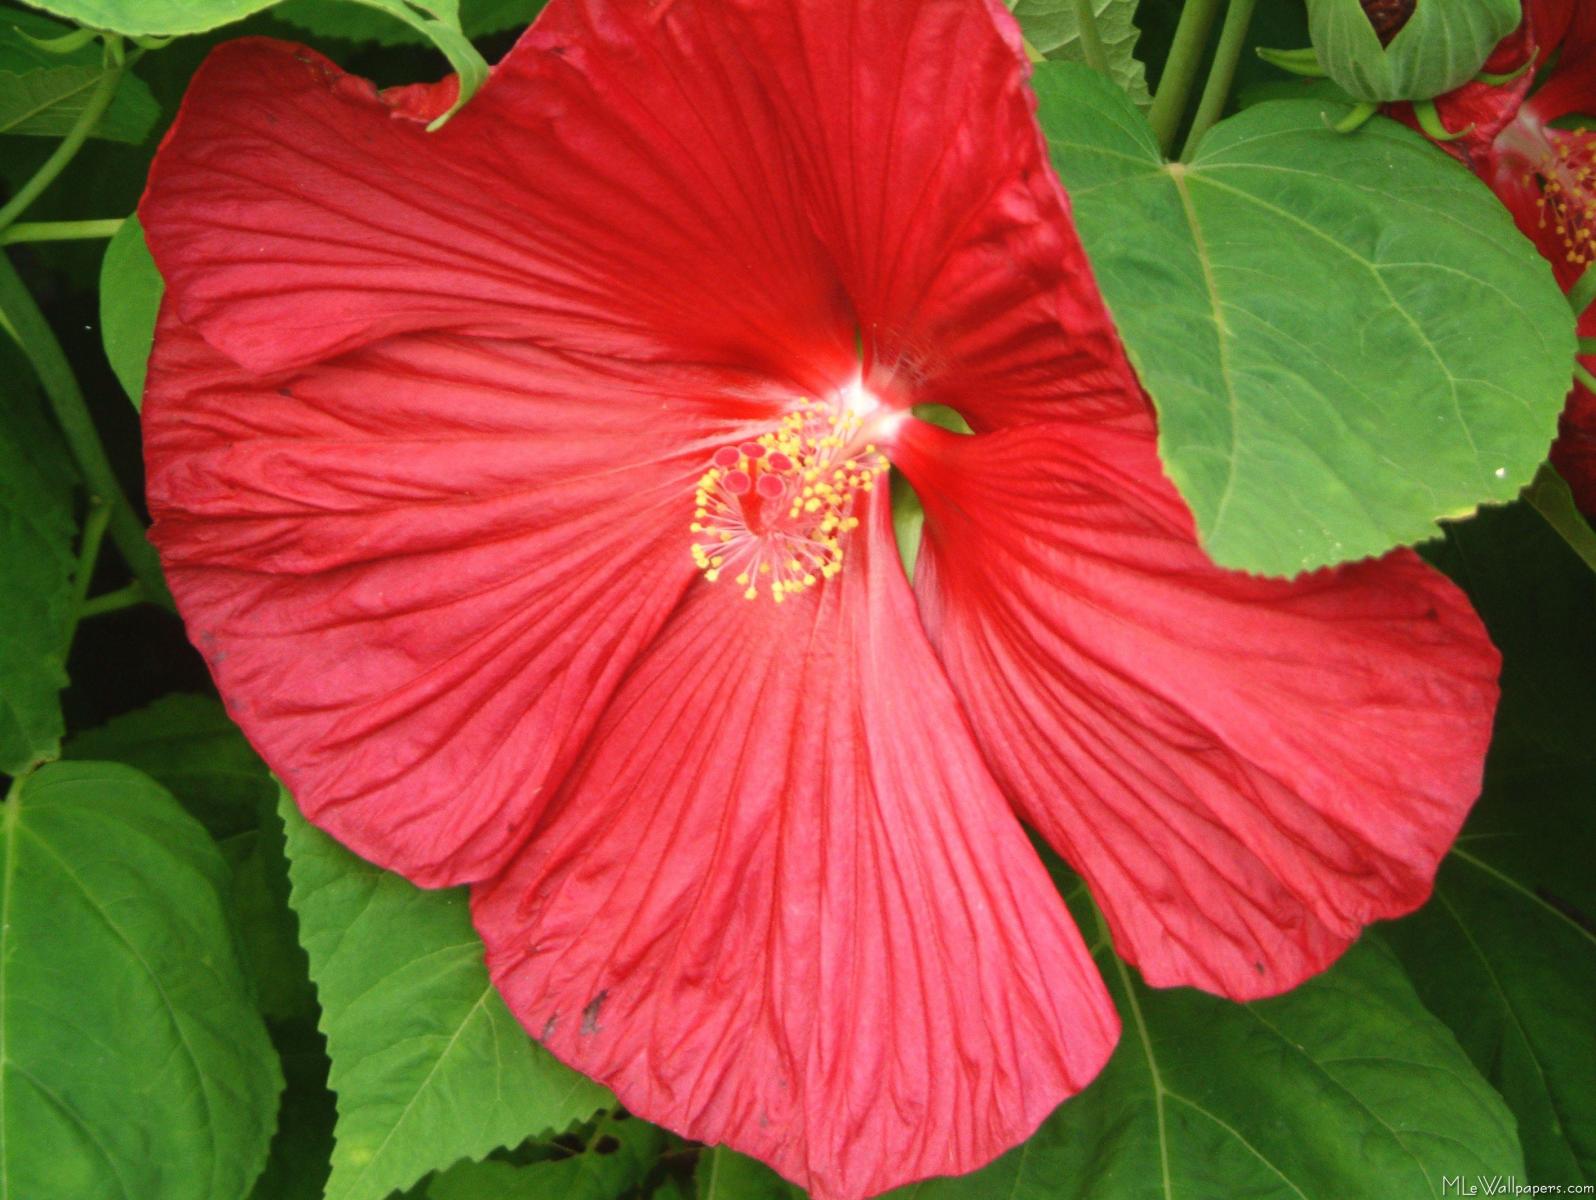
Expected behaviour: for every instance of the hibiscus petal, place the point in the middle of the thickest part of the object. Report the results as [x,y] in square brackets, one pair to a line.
[750,181]
[780,903]
[1568,32]
[1574,451]
[1247,771]
[295,212]
[417,571]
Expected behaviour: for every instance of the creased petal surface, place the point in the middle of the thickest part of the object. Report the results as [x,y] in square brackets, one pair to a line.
[741,181]
[417,570]
[425,409]
[780,903]
[1247,771]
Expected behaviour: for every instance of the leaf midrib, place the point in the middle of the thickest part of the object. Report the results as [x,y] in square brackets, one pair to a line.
[54,102]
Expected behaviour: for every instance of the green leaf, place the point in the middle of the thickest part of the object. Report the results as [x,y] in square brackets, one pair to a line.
[332,18]
[189,746]
[1053,27]
[43,93]
[134,1065]
[266,926]
[437,20]
[1505,952]
[152,17]
[1344,1089]
[47,101]
[36,533]
[428,1064]
[296,1168]
[1346,337]
[1441,47]
[617,1157]
[724,1174]
[130,299]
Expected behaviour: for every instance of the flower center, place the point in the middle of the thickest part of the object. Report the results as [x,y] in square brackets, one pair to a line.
[770,514]
[1568,193]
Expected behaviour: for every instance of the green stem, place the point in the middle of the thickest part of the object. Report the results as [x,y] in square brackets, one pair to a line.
[125,597]
[38,342]
[1091,38]
[64,153]
[1584,377]
[1548,495]
[1583,292]
[99,516]
[1180,69]
[60,231]
[94,523]
[1232,41]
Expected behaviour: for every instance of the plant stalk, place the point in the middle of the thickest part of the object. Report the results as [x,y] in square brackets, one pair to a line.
[94,523]
[99,99]
[1583,292]
[1180,69]
[33,333]
[60,231]
[1091,37]
[1232,42]
[123,597]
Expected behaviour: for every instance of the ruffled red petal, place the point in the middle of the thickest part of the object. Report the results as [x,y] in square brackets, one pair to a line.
[296,213]
[416,589]
[418,570]
[1566,32]
[1247,771]
[750,182]
[780,903]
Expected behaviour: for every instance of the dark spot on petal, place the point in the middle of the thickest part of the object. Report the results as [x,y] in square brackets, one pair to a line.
[590,1014]
[606,1145]
[1259,967]
[548,1028]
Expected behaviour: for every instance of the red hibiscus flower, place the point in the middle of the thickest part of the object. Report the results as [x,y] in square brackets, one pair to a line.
[524,485]
[1544,173]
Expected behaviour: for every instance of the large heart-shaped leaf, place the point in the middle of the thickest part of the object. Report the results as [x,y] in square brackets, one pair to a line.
[1344,1089]
[133,1063]
[1345,336]
[153,17]
[1505,953]
[428,1064]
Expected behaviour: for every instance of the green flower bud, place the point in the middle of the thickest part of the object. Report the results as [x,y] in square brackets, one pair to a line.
[1385,50]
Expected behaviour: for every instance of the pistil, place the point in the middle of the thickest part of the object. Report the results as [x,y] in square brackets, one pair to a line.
[772,514]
